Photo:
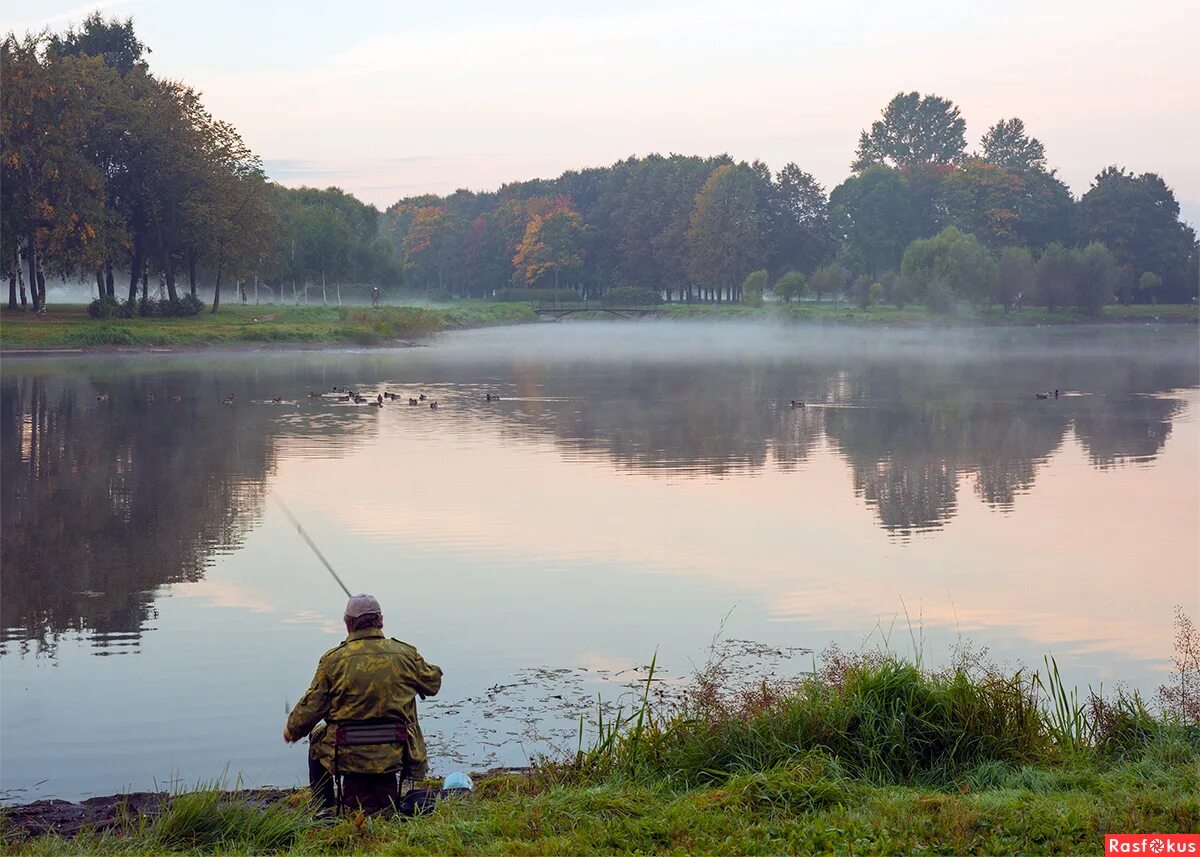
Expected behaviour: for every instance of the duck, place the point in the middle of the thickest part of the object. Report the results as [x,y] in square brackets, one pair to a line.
[1041,395]
[492,398]
[278,400]
[378,403]
[421,397]
[379,400]
[797,404]
[103,397]
[228,399]
[433,405]
[412,401]
[1056,392]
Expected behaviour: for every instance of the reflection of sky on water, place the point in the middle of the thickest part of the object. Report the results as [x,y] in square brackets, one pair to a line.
[584,532]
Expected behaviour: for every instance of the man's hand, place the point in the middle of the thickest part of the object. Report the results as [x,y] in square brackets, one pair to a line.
[287,736]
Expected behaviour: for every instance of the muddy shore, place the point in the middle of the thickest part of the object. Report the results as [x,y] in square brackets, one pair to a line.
[65,818]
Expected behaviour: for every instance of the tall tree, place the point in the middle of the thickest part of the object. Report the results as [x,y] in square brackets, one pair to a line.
[1007,145]
[1003,206]
[914,130]
[875,218]
[1137,218]
[725,234]
[112,39]
[806,237]
[552,246]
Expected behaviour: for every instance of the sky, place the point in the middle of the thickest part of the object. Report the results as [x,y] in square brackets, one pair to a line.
[390,99]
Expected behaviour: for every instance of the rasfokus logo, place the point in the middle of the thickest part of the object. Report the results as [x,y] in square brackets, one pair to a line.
[1152,843]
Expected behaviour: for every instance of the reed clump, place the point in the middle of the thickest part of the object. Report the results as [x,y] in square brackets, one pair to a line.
[877,719]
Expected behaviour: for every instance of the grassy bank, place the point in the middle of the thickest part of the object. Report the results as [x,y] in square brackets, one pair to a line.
[869,755]
[70,326]
[962,315]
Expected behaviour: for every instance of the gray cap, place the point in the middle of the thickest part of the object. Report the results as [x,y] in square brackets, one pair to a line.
[361,605]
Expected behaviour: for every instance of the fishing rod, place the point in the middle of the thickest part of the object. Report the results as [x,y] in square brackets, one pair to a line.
[309,542]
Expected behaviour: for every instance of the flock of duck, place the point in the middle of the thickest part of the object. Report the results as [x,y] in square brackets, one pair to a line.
[337,394]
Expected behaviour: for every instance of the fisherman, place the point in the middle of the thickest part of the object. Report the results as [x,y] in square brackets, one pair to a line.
[367,676]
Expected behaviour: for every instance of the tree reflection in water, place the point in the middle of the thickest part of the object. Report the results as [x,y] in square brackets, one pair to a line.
[106,501]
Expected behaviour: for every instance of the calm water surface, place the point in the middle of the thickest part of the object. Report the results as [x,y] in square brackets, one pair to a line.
[639,487]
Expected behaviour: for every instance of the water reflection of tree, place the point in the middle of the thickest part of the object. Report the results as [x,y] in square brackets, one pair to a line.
[104,502]
[715,420]
[910,430]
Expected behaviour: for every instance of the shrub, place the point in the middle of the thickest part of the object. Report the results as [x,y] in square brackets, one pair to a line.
[791,285]
[104,307]
[939,296]
[1057,276]
[1016,276]
[956,259]
[1099,276]
[753,287]
[867,292]
[830,279]
[631,296]
[190,305]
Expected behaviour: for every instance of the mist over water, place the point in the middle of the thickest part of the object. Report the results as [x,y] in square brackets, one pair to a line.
[637,487]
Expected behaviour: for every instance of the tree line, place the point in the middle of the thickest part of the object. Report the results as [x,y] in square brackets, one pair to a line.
[920,219]
[111,172]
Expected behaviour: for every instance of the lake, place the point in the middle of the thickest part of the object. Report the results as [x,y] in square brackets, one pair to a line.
[639,488]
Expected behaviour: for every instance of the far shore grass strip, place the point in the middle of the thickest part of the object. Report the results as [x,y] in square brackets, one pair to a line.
[70,327]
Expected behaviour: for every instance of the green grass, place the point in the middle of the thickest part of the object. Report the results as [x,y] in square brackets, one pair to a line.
[871,755]
[827,312]
[69,326]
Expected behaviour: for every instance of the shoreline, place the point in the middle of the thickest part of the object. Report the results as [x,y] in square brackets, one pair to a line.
[68,331]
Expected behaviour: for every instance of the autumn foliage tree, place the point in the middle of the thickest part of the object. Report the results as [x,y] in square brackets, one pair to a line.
[552,247]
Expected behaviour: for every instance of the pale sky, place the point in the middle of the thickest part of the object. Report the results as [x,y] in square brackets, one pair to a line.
[389,99]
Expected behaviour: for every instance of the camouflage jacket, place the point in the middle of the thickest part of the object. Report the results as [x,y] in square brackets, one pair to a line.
[367,676]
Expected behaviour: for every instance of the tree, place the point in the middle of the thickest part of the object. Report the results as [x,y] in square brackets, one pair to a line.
[113,40]
[867,292]
[1016,276]
[828,279]
[1057,276]
[1137,218]
[50,198]
[1149,284]
[552,246]
[951,264]
[1098,277]
[1007,145]
[805,237]
[791,285]
[753,287]
[724,239]
[874,215]
[1004,206]
[914,130]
